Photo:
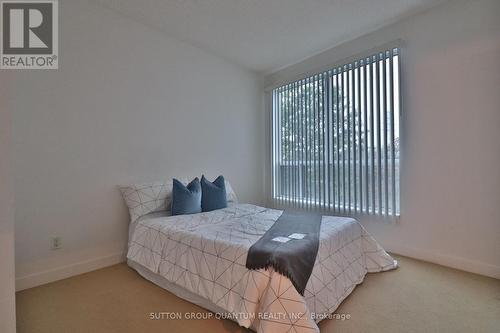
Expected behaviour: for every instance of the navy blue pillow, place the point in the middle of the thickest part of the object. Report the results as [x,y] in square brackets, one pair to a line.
[213,194]
[186,199]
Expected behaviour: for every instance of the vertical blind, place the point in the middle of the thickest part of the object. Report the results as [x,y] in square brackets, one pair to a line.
[335,138]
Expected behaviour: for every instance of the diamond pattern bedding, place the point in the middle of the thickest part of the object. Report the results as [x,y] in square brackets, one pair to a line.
[206,254]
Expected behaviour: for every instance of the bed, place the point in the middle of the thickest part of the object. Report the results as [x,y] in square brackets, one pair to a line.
[201,258]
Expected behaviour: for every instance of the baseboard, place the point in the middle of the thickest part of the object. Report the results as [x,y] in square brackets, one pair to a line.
[59,273]
[449,261]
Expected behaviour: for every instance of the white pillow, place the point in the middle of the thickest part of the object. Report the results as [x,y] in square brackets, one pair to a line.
[142,199]
[230,194]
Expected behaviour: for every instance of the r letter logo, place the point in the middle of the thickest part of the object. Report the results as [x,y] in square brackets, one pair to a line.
[29,34]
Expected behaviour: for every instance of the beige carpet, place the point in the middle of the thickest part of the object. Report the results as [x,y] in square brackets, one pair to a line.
[417,297]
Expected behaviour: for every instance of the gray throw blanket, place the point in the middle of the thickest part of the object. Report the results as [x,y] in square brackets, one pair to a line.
[294,258]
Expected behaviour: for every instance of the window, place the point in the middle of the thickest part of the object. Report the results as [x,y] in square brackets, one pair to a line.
[335,138]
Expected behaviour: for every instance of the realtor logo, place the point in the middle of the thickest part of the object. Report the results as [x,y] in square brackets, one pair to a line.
[29,37]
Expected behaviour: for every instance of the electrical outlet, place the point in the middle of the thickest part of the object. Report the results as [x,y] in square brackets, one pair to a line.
[56,243]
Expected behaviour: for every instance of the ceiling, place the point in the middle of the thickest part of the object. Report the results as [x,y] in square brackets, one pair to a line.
[266,35]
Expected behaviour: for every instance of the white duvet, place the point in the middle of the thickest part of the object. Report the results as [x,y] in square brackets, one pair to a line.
[206,254]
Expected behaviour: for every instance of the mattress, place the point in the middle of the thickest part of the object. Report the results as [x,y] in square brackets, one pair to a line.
[201,258]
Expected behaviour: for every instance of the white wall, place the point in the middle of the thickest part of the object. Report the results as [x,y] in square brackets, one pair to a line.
[127,105]
[450,201]
[7,297]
